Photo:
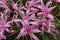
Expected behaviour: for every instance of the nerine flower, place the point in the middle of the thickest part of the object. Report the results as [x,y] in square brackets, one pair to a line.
[4,6]
[45,8]
[3,26]
[27,28]
[15,7]
[31,4]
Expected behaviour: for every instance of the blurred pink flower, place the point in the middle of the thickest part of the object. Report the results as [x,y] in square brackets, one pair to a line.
[3,26]
[4,6]
[2,36]
[27,28]
[45,8]
[15,6]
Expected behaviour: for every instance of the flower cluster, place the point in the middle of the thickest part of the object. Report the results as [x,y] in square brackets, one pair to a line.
[35,16]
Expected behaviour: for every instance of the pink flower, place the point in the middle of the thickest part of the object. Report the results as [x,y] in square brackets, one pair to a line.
[45,8]
[15,6]
[32,4]
[2,36]
[51,17]
[3,26]
[47,24]
[4,6]
[27,29]
[47,19]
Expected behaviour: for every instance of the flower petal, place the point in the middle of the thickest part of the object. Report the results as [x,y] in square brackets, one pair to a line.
[21,34]
[51,8]
[36,31]
[48,3]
